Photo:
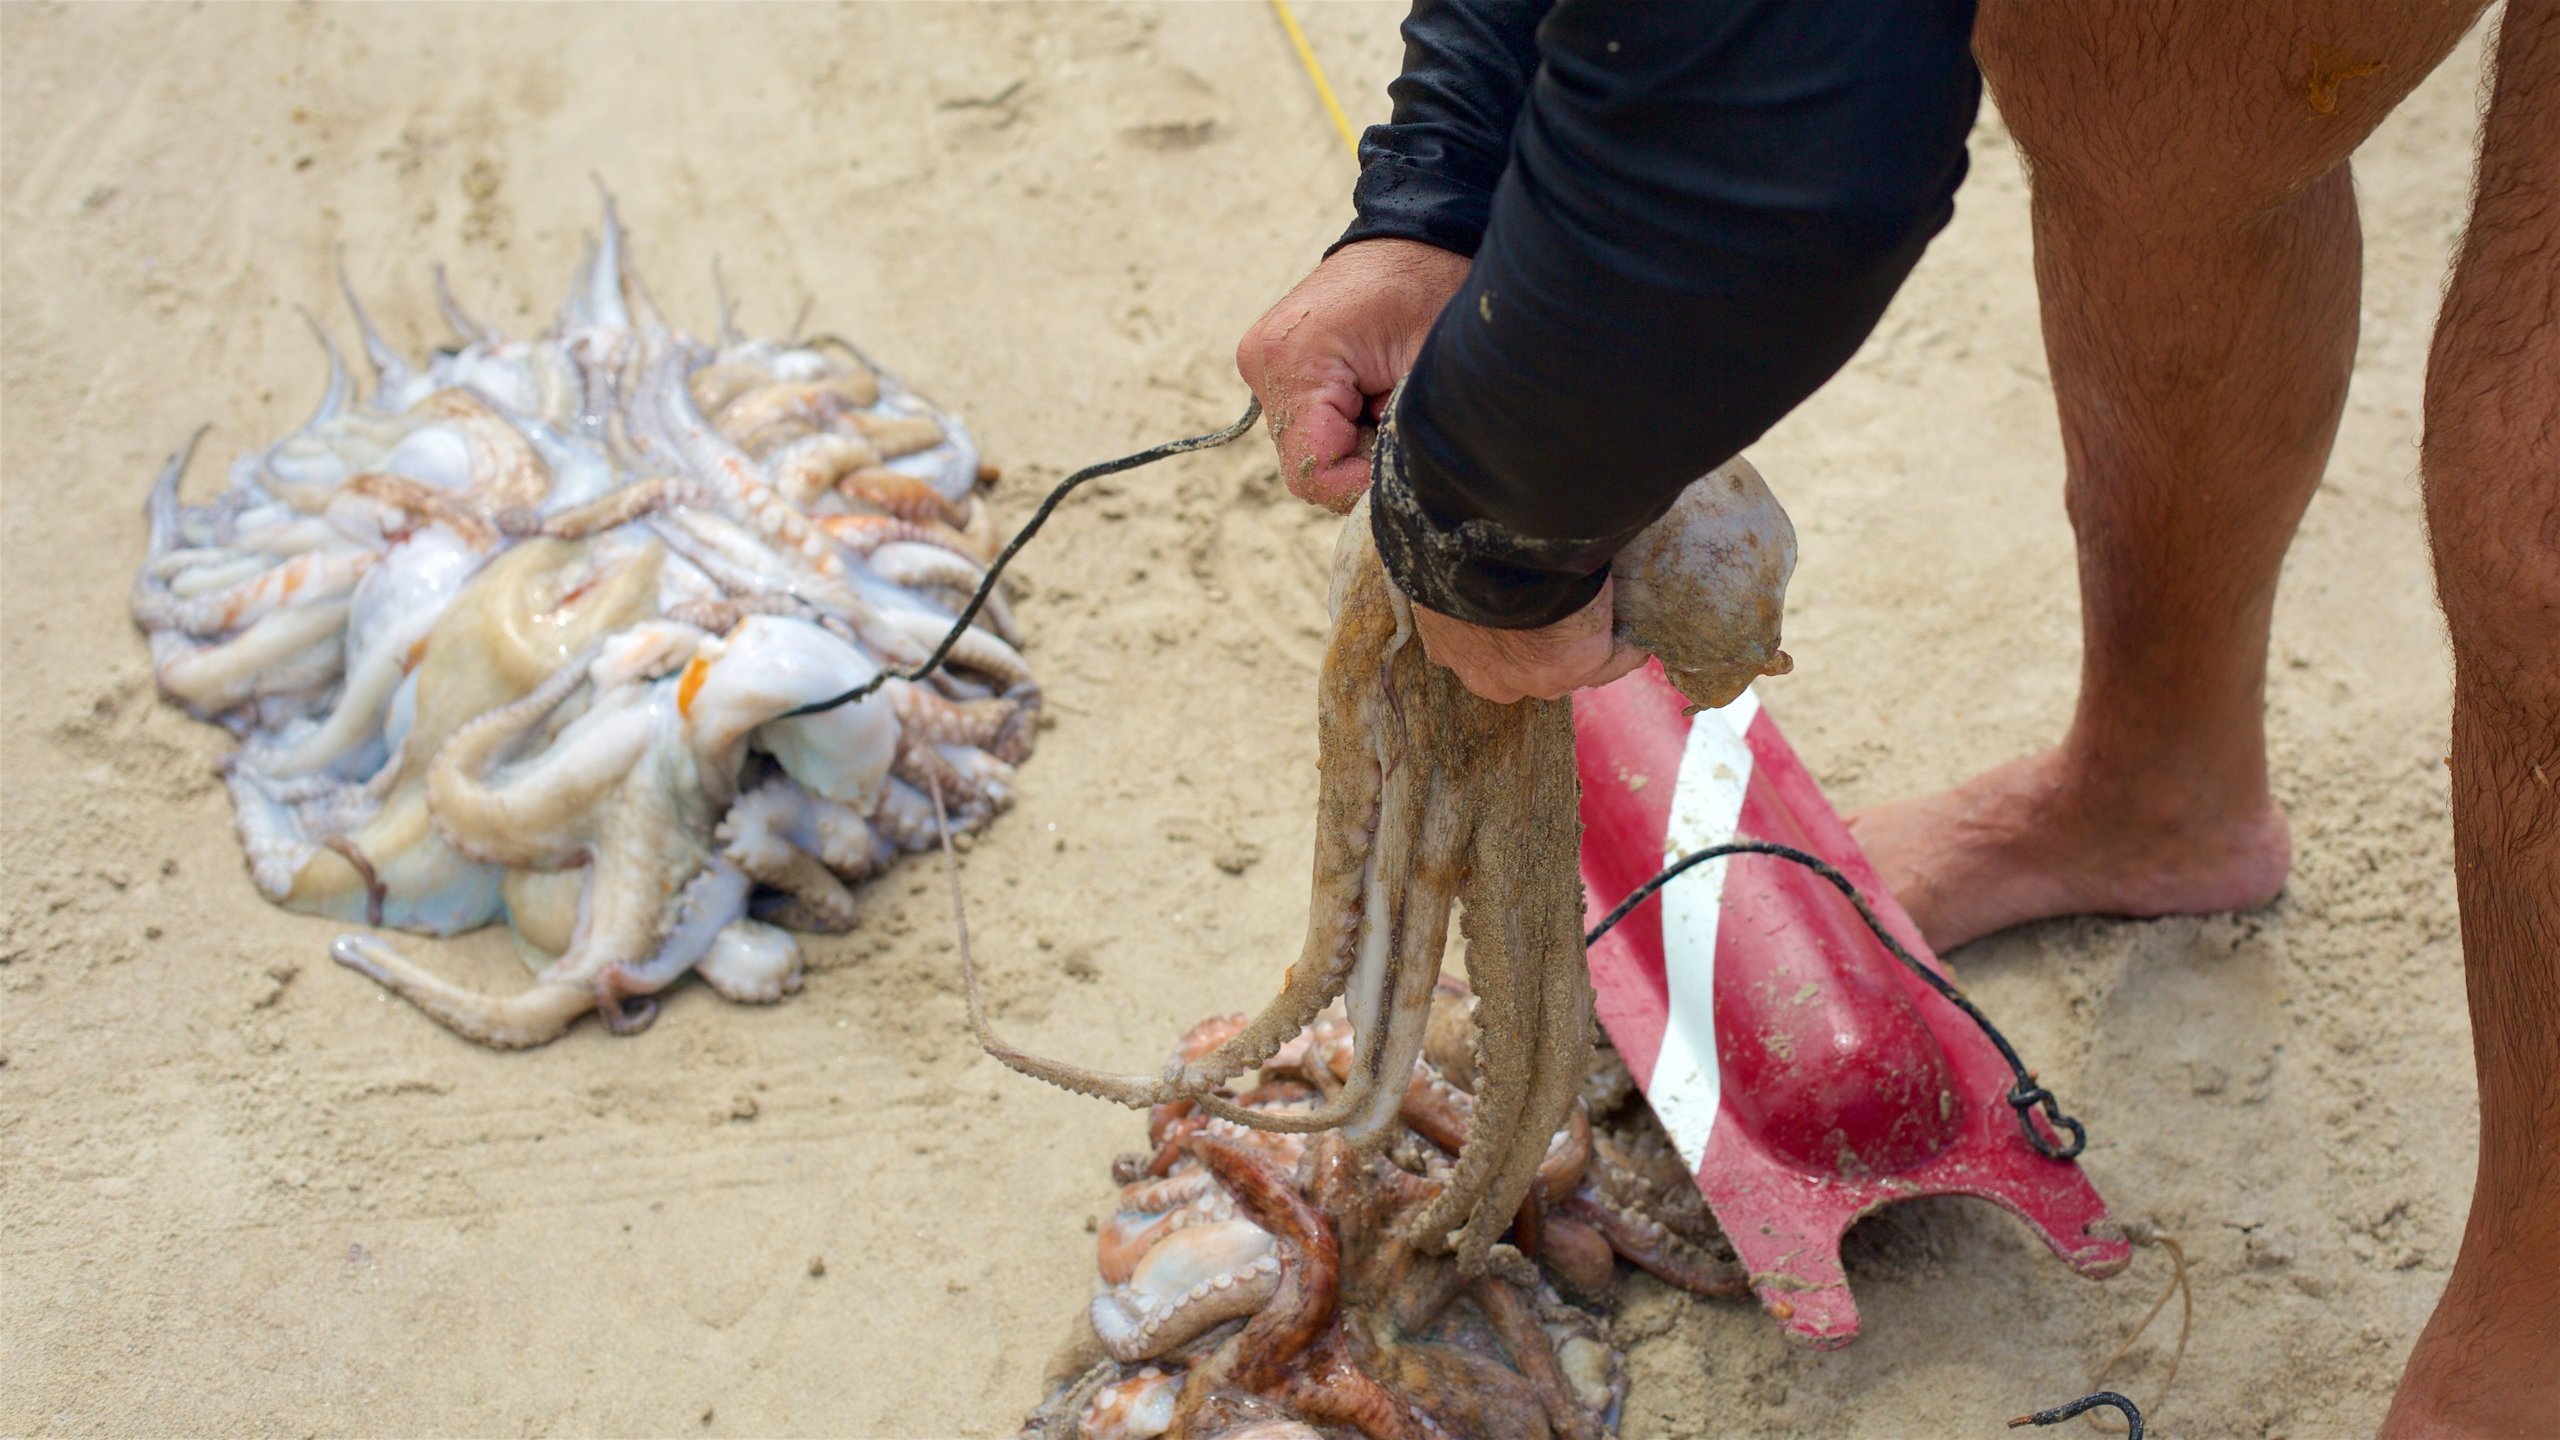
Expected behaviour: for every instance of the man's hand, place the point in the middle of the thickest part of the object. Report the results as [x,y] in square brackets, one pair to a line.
[1321,361]
[1574,653]
[1331,350]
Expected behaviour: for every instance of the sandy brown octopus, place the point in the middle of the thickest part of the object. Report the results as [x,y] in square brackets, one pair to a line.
[1429,795]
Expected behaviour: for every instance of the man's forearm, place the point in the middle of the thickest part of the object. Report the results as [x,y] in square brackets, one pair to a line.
[1705,209]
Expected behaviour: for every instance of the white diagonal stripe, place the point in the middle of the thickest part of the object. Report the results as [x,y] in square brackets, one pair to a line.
[1706,806]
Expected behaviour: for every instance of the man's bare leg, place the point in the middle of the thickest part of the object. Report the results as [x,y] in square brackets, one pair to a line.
[2489,1362]
[2198,261]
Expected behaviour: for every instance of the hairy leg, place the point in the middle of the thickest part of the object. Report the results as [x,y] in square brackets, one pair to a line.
[2492,461]
[2197,258]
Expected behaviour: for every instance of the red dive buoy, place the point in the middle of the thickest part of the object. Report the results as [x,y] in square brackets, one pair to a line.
[1805,1074]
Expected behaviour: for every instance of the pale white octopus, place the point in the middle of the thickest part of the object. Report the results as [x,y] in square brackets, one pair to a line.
[515,636]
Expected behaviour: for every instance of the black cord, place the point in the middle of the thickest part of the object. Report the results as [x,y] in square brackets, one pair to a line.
[2024,1097]
[1022,537]
[2060,1413]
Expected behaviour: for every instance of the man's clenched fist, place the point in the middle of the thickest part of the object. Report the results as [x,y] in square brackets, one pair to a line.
[1326,356]
[1322,361]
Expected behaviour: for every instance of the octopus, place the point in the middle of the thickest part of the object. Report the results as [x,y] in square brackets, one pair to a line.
[534,630]
[1430,795]
[1256,1283]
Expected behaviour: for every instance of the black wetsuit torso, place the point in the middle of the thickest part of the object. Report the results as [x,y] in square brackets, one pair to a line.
[1684,217]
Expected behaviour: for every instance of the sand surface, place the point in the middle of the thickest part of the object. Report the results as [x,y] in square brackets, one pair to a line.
[243,1191]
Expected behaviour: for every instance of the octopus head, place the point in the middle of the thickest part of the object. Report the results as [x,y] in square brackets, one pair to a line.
[741,691]
[1705,586]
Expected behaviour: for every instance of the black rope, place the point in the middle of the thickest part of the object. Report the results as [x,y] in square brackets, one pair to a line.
[2024,1097]
[2060,1413]
[1022,537]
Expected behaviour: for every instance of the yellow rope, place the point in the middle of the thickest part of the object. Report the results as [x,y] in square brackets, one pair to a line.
[2144,1234]
[1315,72]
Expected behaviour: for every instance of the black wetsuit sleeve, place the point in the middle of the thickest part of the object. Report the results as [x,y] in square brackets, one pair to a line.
[1701,211]
[1429,173]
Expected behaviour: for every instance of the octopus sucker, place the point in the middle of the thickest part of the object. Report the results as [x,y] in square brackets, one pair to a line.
[517,634]
[1429,795]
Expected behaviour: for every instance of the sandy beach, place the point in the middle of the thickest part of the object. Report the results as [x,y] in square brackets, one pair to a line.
[245,1192]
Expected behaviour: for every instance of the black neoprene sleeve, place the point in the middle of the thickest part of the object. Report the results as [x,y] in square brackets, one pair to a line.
[1684,216]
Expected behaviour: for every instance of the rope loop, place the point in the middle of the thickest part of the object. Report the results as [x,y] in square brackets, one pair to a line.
[2024,1098]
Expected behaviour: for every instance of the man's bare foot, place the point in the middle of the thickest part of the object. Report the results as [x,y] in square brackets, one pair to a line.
[2038,837]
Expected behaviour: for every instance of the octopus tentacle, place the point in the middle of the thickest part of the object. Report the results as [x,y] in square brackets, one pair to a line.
[934,568]
[1302,1304]
[863,534]
[755,838]
[1188,1283]
[713,386]
[1337,1390]
[627,896]
[366,690]
[606,512]
[261,660]
[341,385]
[1516,1327]
[1181,1079]
[1151,1209]
[1568,1157]
[510,1022]
[491,823]
[305,579]
[896,435]
[970,796]
[974,650]
[167,531]
[1399,957]
[465,329]
[908,497]
[736,477]
[729,332]
[808,467]
[1533,991]
[1580,1259]
[1121,1409]
[705,908]
[1350,805]
[1002,727]
[812,402]
[427,504]
[391,373]
[185,574]
[752,963]
[1411,870]
[1652,1247]
[979,531]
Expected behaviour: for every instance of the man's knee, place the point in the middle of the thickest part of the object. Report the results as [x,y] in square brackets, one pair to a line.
[2197,113]
[2491,460]
[2491,456]
[2492,449]
[2497,554]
